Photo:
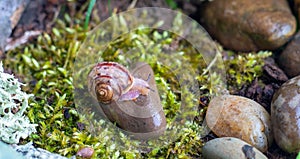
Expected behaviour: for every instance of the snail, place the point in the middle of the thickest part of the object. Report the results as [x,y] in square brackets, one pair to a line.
[127,100]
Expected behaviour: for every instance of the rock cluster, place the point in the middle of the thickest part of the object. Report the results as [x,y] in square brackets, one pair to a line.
[243,118]
[246,25]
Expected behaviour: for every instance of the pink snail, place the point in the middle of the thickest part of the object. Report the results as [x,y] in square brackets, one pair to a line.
[131,102]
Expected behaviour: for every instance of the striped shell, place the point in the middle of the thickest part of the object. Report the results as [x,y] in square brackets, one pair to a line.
[108,81]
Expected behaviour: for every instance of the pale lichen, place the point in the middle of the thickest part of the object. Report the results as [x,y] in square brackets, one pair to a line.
[13,103]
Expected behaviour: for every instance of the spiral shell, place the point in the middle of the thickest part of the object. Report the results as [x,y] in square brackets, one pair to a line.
[104,93]
[108,81]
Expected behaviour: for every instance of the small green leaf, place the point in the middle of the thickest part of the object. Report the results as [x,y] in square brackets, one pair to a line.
[298,156]
[56,32]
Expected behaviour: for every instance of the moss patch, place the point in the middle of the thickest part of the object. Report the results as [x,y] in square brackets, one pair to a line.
[46,67]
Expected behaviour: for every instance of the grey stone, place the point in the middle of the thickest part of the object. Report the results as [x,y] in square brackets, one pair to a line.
[7,152]
[230,148]
[11,11]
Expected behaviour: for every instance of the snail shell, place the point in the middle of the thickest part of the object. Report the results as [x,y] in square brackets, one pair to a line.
[128,100]
[108,81]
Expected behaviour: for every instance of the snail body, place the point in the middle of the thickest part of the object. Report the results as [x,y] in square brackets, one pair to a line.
[129,101]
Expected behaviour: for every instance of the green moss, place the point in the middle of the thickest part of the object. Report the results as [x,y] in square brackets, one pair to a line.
[46,67]
[243,68]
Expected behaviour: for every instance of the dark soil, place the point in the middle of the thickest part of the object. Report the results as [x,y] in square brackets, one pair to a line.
[39,15]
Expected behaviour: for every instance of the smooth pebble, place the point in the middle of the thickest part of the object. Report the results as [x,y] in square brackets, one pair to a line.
[240,117]
[289,59]
[247,25]
[230,148]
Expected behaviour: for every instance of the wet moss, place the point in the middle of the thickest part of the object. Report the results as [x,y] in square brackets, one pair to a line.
[243,68]
[46,66]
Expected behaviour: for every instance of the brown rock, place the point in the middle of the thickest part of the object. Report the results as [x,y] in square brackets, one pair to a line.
[285,115]
[240,117]
[247,25]
[289,59]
